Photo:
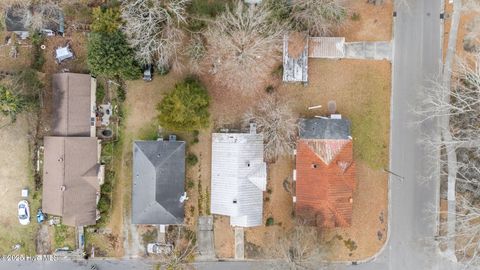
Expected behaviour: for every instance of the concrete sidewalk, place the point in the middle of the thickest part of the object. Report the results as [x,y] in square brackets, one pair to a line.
[239,243]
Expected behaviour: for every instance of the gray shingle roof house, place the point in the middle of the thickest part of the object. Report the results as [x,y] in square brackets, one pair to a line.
[327,129]
[158,182]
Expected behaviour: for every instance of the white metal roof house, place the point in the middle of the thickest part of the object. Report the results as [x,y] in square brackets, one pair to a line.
[239,177]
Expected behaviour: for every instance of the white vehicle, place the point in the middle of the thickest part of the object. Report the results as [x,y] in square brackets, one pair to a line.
[23,212]
[157,248]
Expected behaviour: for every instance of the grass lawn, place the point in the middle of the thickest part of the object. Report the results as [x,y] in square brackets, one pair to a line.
[371,118]
[17,173]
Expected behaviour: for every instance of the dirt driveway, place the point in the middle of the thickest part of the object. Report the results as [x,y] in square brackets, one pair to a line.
[15,174]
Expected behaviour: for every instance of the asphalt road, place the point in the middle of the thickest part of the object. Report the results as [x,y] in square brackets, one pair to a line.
[417,57]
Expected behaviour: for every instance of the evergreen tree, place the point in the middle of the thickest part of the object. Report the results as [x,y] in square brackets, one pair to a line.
[186,107]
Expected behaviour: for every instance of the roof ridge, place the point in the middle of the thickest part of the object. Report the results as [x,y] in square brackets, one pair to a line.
[323,143]
[166,158]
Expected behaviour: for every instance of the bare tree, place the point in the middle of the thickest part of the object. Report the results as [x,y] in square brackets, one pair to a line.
[301,246]
[154,29]
[319,17]
[196,51]
[10,3]
[278,125]
[467,232]
[41,15]
[45,13]
[243,47]
[183,252]
[459,101]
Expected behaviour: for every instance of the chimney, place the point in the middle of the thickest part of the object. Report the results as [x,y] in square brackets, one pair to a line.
[253,128]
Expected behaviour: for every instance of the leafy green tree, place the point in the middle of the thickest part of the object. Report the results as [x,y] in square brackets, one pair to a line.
[109,55]
[186,107]
[106,20]
[10,104]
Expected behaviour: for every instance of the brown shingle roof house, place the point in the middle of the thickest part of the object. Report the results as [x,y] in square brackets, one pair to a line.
[71,179]
[74,105]
[325,173]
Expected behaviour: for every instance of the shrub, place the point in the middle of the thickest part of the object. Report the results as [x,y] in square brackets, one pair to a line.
[186,107]
[106,188]
[270,89]
[280,10]
[109,55]
[121,93]
[78,12]
[38,59]
[350,244]
[100,93]
[104,204]
[106,20]
[192,159]
[355,16]
[190,184]
[195,134]
[10,103]
[270,221]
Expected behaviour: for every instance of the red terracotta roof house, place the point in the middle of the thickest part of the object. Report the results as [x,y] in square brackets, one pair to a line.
[325,173]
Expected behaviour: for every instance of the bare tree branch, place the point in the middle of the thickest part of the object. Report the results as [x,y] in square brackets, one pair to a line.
[319,17]
[300,247]
[243,47]
[278,125]
[153,29]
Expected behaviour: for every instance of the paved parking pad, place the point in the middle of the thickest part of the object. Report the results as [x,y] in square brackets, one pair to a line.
[380,50]
[206,250]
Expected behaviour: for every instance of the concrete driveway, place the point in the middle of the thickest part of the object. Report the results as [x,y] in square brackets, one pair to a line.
[377,50]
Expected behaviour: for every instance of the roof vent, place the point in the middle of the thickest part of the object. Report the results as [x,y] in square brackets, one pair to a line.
[172,138]
[60,159]
[183,197]
[248,163]
[62,188]
[234,200]
[314,166]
